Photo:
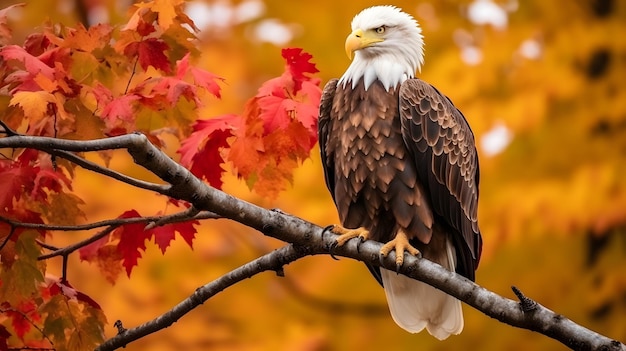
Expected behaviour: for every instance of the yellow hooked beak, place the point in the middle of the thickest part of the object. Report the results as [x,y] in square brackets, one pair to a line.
[359,39]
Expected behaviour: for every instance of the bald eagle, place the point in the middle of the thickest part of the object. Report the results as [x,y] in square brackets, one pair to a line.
[401,165]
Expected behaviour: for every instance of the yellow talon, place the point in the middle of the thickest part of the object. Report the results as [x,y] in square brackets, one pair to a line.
[347,234]
[400,244]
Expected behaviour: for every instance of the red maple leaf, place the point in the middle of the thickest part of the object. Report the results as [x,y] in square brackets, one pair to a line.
[22,316]
[90,252]
[176,87]
[32,65]
[298,65]
[201,78]
[13,180]
[120,108]
[132,239]
[307,108]
[150,53]
[163,235]
[48,180]
[200,152]
[117,112]
[37,43]
[275,112]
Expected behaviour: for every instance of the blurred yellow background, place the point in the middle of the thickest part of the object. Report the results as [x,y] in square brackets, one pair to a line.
[542,84]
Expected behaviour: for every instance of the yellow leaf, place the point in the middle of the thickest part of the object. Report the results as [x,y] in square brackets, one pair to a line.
[33,103]
[167,11]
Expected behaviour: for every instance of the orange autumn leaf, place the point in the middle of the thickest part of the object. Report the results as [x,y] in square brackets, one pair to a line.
[82,39]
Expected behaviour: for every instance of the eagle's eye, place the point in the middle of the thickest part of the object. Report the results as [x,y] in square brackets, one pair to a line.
[380,30]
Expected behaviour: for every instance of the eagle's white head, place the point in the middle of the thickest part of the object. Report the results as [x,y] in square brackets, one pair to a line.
[387,45]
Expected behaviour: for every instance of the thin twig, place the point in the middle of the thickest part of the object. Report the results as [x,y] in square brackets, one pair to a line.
[116,223]
[45,245]
[7,130]
[130,79]
[94,167]
[71,248]
[158,220]
[5,310]
[8,237]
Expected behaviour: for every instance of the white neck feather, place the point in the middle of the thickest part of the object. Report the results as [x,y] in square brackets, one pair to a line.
[389,70]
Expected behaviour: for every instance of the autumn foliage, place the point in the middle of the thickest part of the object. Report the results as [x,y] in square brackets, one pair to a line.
[63,82]
[224,100]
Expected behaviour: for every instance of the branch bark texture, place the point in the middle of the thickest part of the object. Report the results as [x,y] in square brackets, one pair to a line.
[305,239]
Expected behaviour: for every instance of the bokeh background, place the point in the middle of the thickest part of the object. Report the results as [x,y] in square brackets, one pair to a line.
[542,85]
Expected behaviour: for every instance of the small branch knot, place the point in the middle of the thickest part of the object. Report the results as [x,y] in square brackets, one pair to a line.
[280,272]
[120,327]
[525,303]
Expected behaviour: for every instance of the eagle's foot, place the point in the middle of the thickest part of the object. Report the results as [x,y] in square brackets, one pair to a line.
[347,234]
[400,244]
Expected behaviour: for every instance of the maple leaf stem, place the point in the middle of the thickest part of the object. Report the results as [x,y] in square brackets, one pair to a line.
[132,74]
[33,324]
[54,119]
[8,237]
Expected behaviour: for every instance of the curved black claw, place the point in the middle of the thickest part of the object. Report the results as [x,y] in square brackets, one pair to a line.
[331,249]
[358,245]
[327,228]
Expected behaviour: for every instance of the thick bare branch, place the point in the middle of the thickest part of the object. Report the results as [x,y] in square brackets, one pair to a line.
[310,239]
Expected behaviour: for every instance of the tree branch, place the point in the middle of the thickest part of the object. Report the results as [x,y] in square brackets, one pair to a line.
[311,240]
[88,165]
[153,221]
[273,261]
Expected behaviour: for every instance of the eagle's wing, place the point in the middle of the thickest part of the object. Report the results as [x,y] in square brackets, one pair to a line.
[442,144]
[326,105]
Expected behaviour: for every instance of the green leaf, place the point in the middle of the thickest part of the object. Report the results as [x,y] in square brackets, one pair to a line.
[66,316]
[57,320]
[21,280]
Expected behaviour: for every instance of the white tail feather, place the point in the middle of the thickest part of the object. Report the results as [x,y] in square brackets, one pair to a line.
[415,305]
